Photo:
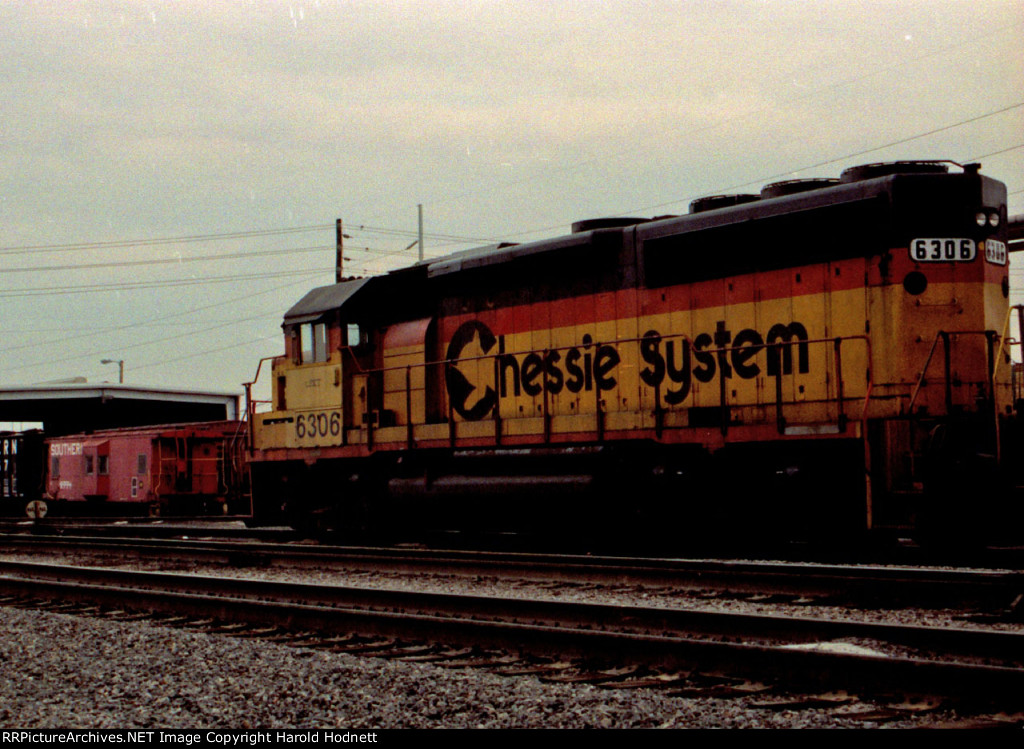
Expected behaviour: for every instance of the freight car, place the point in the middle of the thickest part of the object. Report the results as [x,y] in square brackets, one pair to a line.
[22,469]
[181,469]
[827,356]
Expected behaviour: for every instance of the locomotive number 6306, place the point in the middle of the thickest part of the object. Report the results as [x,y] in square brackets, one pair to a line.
[943,250]
[321,424]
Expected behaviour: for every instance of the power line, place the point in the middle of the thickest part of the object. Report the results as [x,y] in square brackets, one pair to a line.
[78,246]
[161,241]
[370,229]
[406,233]
[849,156]
[89,288]
[195,354]
[188,334]
[167,260]
[995,153]
[717,125]
[141,344]
[415,233]
[162,320]
[387,231]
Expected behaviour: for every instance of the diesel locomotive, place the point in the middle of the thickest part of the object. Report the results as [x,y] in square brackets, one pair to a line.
[827,356]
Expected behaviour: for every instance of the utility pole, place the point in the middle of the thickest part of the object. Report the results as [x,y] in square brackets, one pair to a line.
[420,207]
[337,253]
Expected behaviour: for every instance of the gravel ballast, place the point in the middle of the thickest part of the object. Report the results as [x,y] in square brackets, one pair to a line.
[63,671]
[67,671]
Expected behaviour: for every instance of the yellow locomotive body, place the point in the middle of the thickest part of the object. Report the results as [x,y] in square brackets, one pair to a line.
[830,355]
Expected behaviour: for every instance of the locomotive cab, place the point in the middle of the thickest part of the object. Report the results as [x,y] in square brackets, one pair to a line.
[318,392]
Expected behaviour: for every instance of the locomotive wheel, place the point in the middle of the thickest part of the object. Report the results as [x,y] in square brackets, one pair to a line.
[962,492]
[349,522]
[355,519]
[317,523]
[215,507]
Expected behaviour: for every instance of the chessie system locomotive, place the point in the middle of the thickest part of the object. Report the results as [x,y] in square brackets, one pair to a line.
[829,355]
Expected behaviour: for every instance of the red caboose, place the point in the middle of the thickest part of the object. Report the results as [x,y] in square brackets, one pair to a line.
[171,469]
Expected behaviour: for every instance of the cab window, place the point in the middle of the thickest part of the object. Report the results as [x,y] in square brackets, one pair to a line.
[312,342]
[353,335]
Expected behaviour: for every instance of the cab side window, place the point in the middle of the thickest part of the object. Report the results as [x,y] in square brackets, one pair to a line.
[312,342]
[353,335]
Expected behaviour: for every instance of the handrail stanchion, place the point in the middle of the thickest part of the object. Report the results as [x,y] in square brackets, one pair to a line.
[408,407]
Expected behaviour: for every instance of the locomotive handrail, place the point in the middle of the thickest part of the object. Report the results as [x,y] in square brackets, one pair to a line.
[775,349]
[944,336]
[250,404]
[778,346]
[1003,341]
[614,341]
[259,366]
[994,357]
[1004,338]
[924,371]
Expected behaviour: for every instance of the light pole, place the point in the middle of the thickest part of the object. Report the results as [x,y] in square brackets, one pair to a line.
[120,368]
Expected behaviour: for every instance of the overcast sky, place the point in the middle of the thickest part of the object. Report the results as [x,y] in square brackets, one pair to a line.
[126,124]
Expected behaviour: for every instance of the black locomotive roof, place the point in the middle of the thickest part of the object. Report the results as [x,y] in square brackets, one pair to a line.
[866,192]
[833,194]
[860,185]
[500,253]
[325,299]
[497,254]
[866,182]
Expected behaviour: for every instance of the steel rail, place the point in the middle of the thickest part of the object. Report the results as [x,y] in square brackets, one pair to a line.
[141,527]
[665,638]
[874,585]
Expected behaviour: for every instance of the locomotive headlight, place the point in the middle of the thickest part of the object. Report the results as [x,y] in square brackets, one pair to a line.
[993,219]
[981,218]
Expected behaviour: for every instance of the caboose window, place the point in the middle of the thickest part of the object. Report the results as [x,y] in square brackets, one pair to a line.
[103,460]
[313,340]
[89,465]
[142,464]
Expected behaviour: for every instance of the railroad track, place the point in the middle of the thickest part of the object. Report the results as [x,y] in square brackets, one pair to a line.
[142,527]
[988,593]
[621,646]
[892,552]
